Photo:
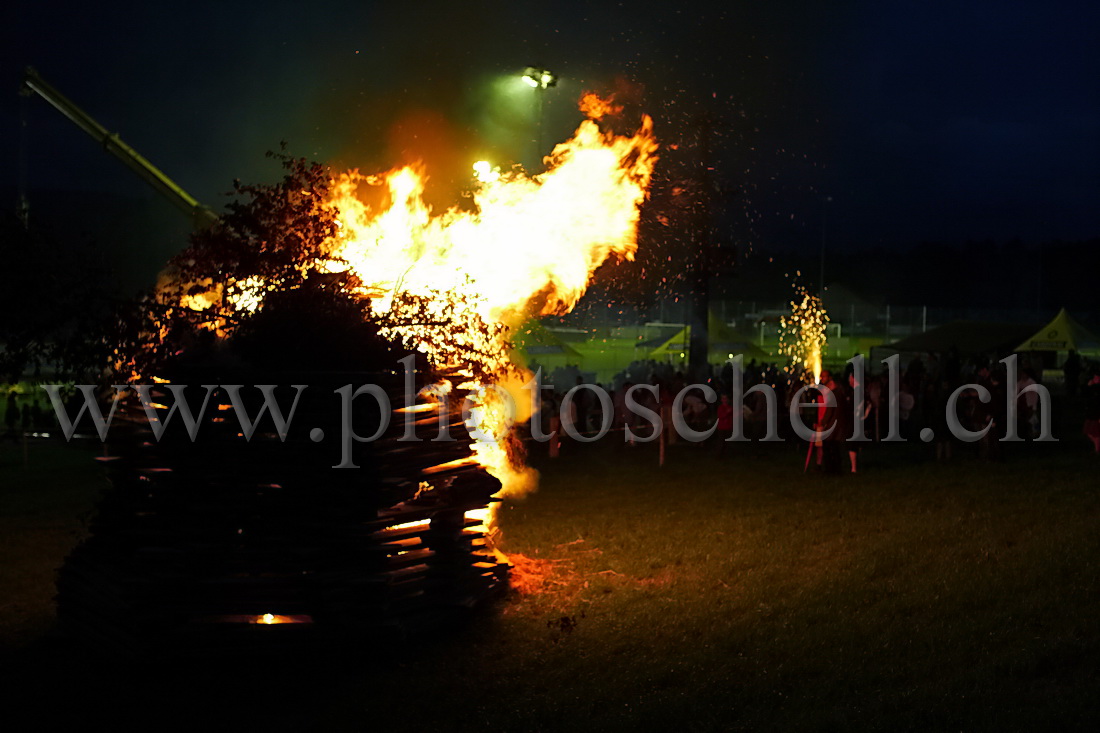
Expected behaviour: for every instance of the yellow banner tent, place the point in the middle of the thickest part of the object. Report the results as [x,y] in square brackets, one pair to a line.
[722,341]
[1062,334]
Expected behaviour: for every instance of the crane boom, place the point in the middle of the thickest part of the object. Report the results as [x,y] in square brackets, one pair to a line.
[201,216]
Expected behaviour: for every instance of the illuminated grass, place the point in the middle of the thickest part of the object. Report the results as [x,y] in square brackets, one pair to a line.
[737,594]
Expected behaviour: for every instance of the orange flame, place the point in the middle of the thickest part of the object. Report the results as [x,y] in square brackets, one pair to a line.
[527,246]
[596,108]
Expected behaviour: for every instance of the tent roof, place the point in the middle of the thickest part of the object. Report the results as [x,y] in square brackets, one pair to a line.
[969,337]
[536,340]
[1061,334]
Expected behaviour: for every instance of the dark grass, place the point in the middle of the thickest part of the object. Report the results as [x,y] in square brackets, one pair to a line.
[706,595]
[47,493]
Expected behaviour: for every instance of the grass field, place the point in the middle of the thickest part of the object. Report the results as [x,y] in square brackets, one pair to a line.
[705,595]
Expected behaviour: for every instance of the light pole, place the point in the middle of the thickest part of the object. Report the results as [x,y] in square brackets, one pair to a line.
[540,80]
[824,213]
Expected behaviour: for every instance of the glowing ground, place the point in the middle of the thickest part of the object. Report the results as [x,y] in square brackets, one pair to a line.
[705,595]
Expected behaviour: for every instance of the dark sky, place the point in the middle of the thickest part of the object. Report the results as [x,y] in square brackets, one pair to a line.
[922,120]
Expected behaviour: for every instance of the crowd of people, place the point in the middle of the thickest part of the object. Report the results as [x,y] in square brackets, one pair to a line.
[926,396]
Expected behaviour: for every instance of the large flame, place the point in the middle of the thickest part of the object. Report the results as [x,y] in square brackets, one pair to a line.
[527,246]
[596,107]
[527,239]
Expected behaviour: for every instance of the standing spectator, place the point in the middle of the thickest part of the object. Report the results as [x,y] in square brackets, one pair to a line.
[725,423]
[694,410]
[569,422]
[1092,412]
[906,403]
[874,406]
[623,416]
[857,415]
[580,406]
[830,416]
[1028,417]
[999,391]
[936,417]
[986,415]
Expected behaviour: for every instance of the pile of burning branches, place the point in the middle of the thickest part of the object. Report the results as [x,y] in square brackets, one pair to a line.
[265,260]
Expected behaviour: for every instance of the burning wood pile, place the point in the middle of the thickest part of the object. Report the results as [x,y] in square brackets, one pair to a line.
[324,274]
[230,543]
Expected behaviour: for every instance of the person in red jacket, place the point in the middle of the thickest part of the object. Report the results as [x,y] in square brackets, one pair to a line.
[1092,411]
[725,422]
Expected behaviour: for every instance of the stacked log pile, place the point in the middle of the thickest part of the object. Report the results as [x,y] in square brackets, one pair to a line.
[235,544]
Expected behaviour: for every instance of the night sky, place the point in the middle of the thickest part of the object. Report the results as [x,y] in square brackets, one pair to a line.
[952,121]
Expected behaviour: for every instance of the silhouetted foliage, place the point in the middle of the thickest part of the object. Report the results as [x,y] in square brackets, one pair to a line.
[269,232]
[273,237]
